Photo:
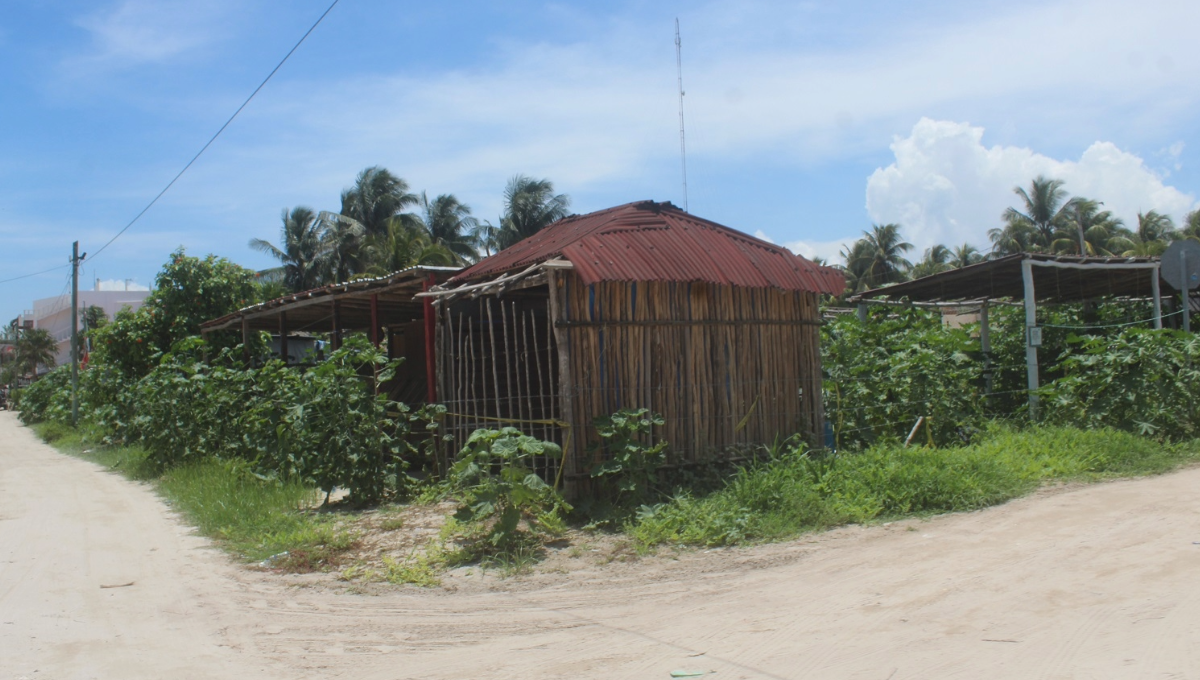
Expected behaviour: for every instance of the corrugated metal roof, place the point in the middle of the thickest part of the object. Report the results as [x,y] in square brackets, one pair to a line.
[648,241]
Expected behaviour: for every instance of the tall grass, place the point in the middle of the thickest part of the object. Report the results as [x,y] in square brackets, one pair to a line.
[798,492]
[252,517]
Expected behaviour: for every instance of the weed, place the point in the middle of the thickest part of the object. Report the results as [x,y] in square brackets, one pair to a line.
[392,524]
[255,518]
[419,571]
[800,492]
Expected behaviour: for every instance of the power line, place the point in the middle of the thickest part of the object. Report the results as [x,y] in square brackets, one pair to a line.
[26,276]
[218,133]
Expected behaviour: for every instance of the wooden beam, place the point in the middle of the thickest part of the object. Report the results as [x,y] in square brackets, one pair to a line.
[375,320]
[1154,287]
[562,342]
[246,341]
[985,347]
[691,322]
[283,339]
[430,345]
[1031,353]
[335,336]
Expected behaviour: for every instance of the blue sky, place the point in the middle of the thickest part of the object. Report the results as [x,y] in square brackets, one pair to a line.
[806,122]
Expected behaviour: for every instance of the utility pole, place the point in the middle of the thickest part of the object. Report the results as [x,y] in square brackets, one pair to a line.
[682,144]
[75,260]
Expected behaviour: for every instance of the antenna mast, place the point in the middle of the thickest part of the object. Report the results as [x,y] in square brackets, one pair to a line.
[682,144]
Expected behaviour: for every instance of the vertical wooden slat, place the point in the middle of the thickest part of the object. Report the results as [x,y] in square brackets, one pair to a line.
[563,347]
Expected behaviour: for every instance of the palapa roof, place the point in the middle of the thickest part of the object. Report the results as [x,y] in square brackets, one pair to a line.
[649,241]
[310,310]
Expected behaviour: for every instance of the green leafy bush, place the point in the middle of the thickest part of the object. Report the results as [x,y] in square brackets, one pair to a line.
[325,426]
[496,485]
[628,468]
[883,375]
[1141,381]
[47,399]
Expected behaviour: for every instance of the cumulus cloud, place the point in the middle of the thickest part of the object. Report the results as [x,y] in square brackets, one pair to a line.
[945,186]
[115,285]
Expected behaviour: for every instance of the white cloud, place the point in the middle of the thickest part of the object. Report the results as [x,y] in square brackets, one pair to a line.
[945,186]
[829,251]
[141,31]
[113,284]
[604,110]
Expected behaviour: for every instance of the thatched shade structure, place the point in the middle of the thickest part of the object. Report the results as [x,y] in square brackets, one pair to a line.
[384,308]
[641,305]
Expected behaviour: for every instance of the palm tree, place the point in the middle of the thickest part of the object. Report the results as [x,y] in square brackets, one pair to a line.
[886,249]
[937,259]
[36,347]
[345,251]
[1044,203]
[449,224]
[486,237]
[1016,236]
[300,255]
[858,263]
[1154,233]
[1154,226]
[405,246]
[965,256]
[530,205]
[376,198]
[1085,229]
[1191,225]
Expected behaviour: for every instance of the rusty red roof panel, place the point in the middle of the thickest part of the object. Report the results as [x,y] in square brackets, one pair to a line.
[648,241]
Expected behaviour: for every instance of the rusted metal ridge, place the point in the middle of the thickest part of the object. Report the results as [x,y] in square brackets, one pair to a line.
[649,241]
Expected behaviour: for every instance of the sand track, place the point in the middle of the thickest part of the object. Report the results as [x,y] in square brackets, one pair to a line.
[1097,581]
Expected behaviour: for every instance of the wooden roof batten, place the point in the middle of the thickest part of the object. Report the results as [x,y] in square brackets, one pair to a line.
[395,293]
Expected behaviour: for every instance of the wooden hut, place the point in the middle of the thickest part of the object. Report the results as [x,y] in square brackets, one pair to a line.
[641,305]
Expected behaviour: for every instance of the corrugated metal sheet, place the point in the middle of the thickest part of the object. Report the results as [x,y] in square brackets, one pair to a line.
[648,241]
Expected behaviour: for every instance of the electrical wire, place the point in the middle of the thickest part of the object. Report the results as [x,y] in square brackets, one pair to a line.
[26,276]
[218,133]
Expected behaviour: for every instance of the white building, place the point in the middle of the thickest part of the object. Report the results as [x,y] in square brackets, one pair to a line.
[54,314]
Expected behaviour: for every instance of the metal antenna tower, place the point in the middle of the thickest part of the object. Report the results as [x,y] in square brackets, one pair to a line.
[682,144]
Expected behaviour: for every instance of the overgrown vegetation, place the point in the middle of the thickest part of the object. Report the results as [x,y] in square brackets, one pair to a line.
[883,375]
[801,491]
[248,453]
[1138,381]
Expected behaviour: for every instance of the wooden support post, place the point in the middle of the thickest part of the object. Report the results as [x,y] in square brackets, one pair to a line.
[246,340]
[283,333]
[335,336]
[375,320]
[1154,276]
[985,346]
[430,346]
[562,342]
[1031,353]
[862,312]
[1184,295]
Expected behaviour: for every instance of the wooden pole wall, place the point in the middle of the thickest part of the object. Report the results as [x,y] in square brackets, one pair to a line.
[729,369]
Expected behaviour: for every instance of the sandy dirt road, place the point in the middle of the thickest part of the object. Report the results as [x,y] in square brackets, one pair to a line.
[1087,582]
